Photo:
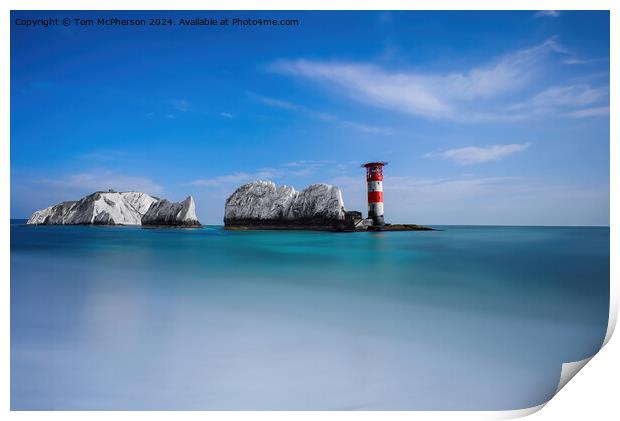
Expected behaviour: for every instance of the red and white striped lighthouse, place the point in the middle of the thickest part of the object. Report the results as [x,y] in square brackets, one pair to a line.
[374,177]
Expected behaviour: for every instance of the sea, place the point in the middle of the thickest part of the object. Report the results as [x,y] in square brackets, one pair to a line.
[462,318]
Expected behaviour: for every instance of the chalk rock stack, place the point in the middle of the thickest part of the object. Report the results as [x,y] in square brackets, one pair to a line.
[118,208]
[262,204]
[164,213]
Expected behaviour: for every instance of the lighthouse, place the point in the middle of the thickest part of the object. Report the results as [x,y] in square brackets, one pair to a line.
[374,178]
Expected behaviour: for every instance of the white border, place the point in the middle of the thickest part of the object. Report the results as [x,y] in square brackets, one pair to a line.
[595,393]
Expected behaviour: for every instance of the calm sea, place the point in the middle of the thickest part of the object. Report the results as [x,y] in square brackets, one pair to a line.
[465,318]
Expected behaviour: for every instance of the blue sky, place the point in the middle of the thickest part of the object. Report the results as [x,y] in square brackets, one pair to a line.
[485,117]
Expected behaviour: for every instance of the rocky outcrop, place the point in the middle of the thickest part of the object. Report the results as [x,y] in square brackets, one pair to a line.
[262,204]
[166,213]
[52,215]
[115,208]
[99,208]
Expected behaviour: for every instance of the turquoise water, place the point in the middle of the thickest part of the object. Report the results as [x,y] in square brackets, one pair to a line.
[465,318]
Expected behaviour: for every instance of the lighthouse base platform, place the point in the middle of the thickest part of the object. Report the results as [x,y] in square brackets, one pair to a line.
[357,224]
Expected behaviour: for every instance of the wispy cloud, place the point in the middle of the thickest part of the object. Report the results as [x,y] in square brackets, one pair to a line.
[102,155]
[571,95]
[573,101]
[309,163]
[434,189]
[236,178]
[181,105]
[86,182]
[547,14]
[447,189]
[364,128]
[589,112]
[436,96]
[225,114]
[307,167]
[274,102]
[576,60]
[475,155]
[474,199]
[327,117]
[301,168]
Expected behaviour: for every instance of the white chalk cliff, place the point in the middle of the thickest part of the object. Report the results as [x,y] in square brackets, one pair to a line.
[113,208]
[165,212]
[263,201]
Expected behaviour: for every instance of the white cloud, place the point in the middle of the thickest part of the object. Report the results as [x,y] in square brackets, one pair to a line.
[363,128]
[567,101]
[278,103]
[423,186]
[372,85]
[307,167]
[225,114]
[309,163]
[572,95]
[475,155]
[410,199]
[446,189]
[437,96]
[547,13]
[222,179]
[236,178]
[471,199]
[589,112]
[87,182]
[301,168]
[575,60]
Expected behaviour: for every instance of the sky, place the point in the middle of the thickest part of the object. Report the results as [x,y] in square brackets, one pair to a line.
[484,117]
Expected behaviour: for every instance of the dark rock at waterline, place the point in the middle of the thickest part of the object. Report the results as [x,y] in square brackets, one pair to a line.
[167,213]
